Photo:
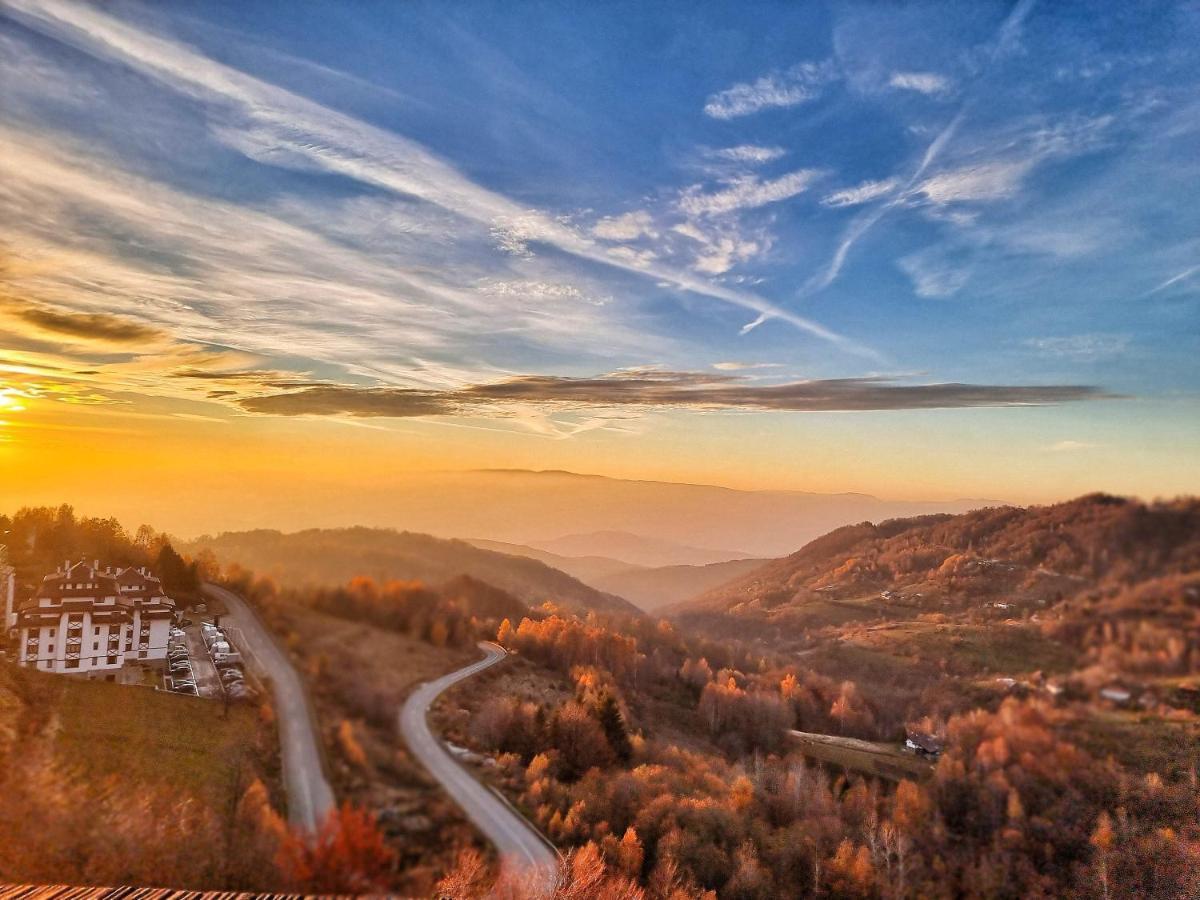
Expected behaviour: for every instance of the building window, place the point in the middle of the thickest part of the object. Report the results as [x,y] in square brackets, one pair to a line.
[95,645]
[141,654]
[112,660]
[72,664]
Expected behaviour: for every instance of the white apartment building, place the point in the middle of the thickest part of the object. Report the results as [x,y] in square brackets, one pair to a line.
[91,621]
[8,583]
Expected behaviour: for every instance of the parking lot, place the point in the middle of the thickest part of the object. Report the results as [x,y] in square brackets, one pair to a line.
[203,661]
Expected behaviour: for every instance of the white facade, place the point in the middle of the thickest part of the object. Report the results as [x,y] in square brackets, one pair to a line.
[8,582]
[92,621]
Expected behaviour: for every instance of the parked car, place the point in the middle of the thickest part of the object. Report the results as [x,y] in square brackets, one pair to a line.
[232,676]
[241,691]
[188,689]
[220,647]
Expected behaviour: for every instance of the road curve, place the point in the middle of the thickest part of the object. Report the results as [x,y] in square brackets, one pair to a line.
[310,798]
[523,852]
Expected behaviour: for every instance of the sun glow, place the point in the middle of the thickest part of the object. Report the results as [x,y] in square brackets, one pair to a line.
[12,400]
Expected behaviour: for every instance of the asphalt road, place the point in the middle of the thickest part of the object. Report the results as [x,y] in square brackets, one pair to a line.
[523,852]
[310,798]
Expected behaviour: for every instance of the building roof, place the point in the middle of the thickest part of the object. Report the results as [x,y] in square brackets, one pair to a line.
[61,584]
[111,596]
[925,741]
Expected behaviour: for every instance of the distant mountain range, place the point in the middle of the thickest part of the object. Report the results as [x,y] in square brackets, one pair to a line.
[536,509]
[588,569]
[334,556]
[646,586]
[636,549]
[655,588]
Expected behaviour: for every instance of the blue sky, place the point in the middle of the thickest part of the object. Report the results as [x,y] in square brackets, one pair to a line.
[382,211]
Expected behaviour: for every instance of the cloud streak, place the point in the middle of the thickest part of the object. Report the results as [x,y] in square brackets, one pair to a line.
[100,328]
[928,83]
[276,127]
[778,90]
[750,154]
[747,192]
[862,193]
[652,388]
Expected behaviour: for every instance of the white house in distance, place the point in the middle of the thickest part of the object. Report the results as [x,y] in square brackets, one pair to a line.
[91,621]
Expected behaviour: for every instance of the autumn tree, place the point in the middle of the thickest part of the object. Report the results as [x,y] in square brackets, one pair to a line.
[347,855]
[613,723]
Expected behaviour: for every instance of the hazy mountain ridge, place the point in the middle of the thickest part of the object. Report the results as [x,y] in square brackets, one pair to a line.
[587,569]
[637,549]
[649,587]
[1019,556]
[529,508]
[331,557]
[655,588]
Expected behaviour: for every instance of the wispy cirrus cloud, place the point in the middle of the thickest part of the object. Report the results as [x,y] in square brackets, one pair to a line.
[277,127]
[861,193]
[1177,278]
[776,90]
[751,154]
[626,227]
[747,192]
[995,180]
[934,274]
[1081,347]
[1004,41]
[929,83]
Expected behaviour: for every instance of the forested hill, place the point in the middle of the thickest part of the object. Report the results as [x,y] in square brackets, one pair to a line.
[329,557]
[1030,557]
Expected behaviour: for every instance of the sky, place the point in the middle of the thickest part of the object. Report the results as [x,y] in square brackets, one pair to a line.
[928,250]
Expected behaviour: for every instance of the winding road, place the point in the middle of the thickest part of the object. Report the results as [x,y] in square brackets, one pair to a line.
[523,852]
[310,798]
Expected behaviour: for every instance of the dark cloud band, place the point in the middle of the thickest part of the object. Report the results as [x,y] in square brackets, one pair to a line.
[652,389]
[101,327]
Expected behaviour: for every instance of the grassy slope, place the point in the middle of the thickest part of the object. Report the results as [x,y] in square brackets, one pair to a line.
[135,734]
